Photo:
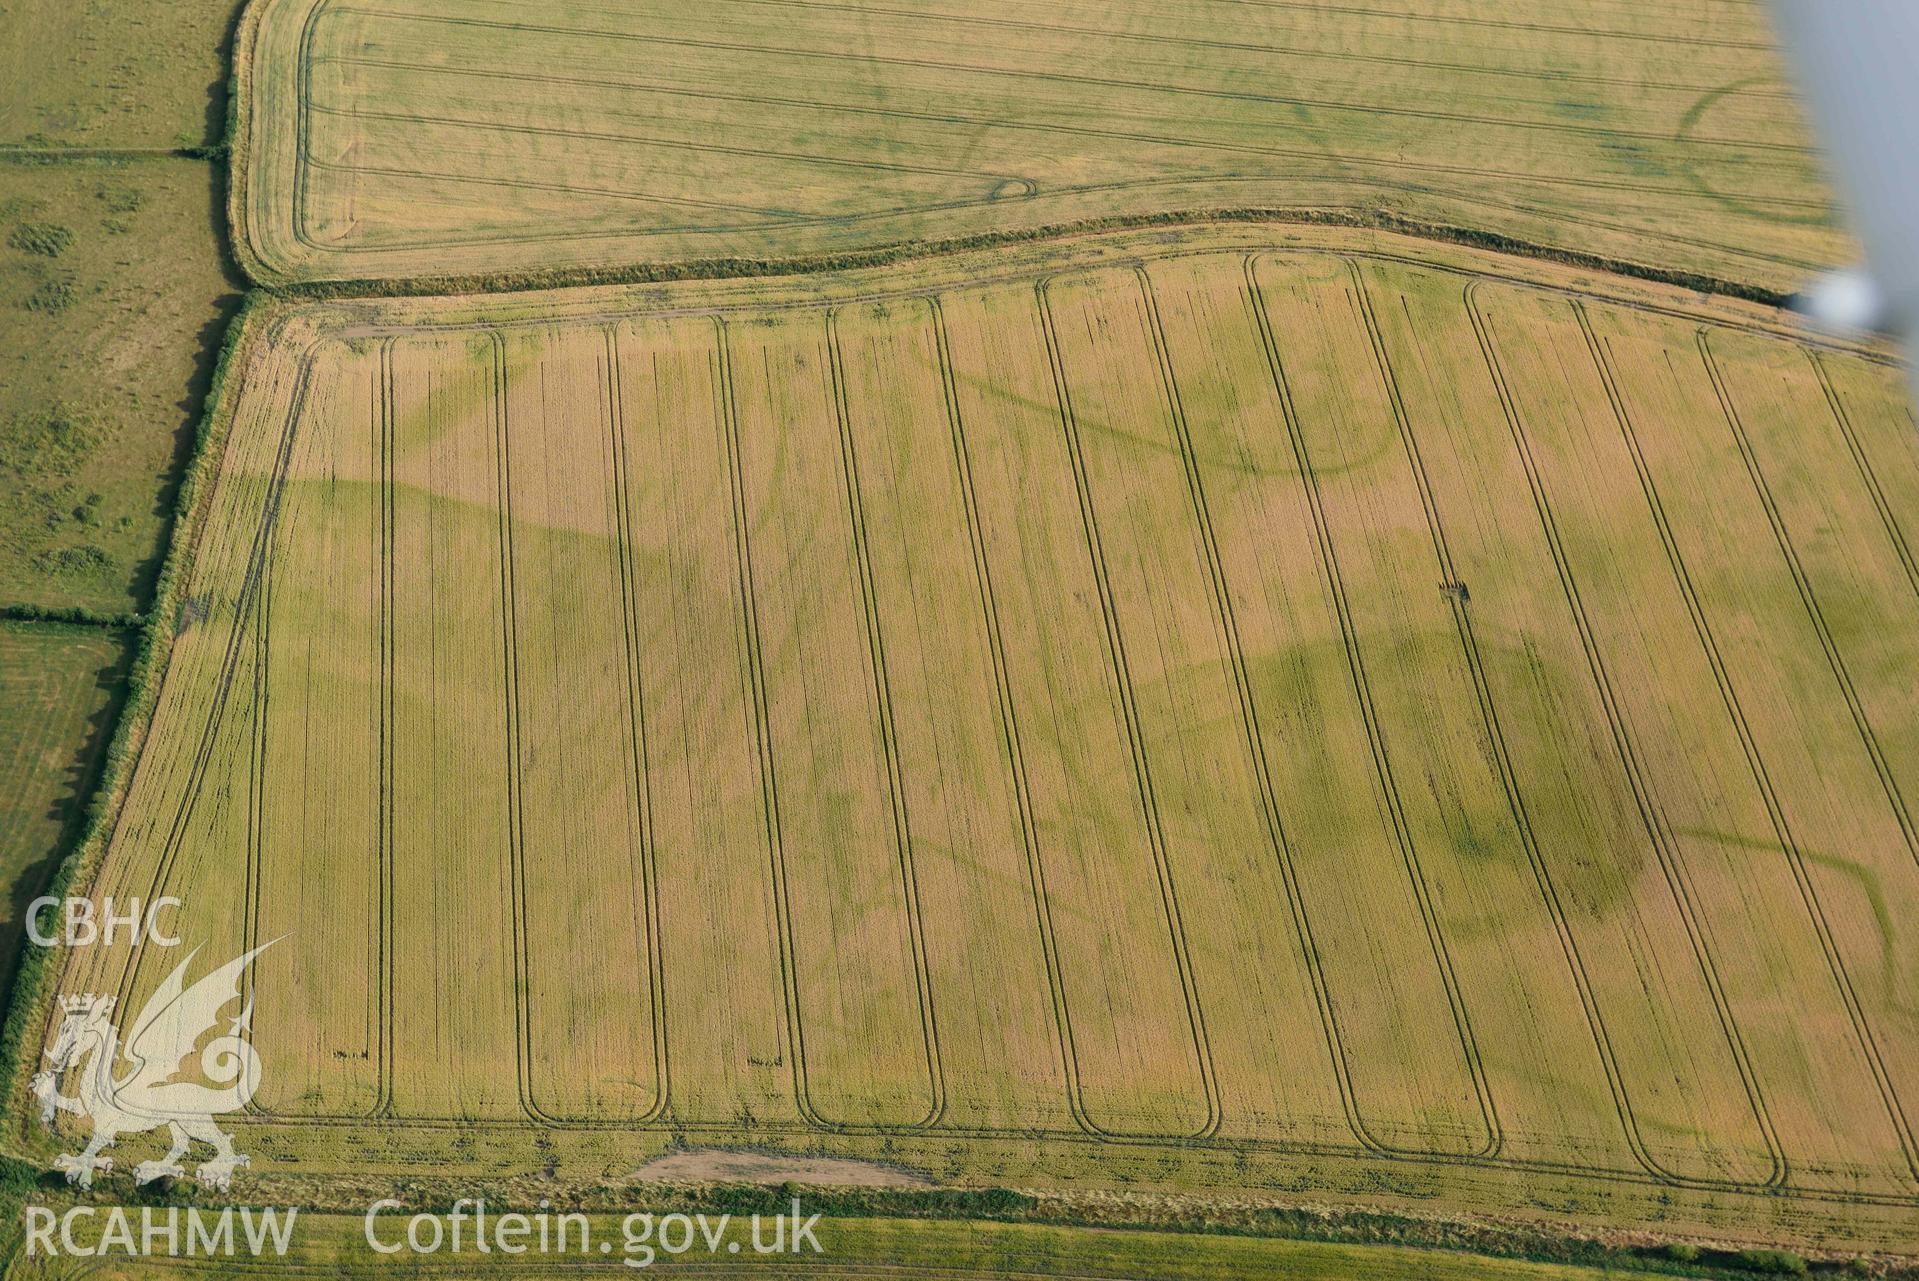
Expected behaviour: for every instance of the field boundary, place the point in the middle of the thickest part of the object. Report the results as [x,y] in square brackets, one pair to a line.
[1358,217]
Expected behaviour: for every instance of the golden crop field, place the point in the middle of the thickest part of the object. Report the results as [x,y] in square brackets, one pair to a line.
[420,138]
[1218,708]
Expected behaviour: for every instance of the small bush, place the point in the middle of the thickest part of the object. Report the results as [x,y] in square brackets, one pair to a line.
[1783,1263]
[48,239]
[122,200]
[1681,1252]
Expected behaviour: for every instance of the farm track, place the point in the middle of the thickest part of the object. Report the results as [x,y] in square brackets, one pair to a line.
[1508,783]
[1329,564]
[253,600]
[1869,1042]
[1128,702]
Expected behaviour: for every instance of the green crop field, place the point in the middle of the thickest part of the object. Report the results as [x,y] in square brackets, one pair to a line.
[116,74]
[419,138]
[1220,708]
[59,689]
[335,1245]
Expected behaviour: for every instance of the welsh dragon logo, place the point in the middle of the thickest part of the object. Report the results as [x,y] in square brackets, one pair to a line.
[133,1088]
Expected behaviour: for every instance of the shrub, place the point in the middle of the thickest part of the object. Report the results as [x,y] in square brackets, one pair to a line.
[54,294]
[72,560]
[1772,1262]
[48,239]
[122,200]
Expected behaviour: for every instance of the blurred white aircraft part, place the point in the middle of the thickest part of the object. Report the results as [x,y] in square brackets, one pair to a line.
[1858,64]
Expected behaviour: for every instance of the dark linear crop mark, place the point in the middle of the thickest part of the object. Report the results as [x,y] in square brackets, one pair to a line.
[1402,832]
[302,147]
[1808,597]
[1045,77]
[1017,125]
[1855,1009]
[636,701]
[380,431]
[1676,881]
[1509,24]
[1009,729]
[889,735]
[762,727]
[1901,548]
[1186,143]
[305,60]
[245,606]
[648,140]
[773,217]
[1508,775]
[1550,78]
[1123,681]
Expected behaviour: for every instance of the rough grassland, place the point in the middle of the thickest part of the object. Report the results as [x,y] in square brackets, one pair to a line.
[112,301]
[59,690]
[908,1249]
[1231,707]
[114,73]
[414,138]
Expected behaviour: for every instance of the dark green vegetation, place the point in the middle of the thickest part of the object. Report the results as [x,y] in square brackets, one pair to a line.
[113,297]
[113,73]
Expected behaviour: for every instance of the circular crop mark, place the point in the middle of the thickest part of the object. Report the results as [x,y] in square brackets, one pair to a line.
[1014,189]
[1712,167]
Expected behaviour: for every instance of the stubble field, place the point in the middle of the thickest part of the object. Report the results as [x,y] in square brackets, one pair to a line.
[1216,708]
[427,138]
